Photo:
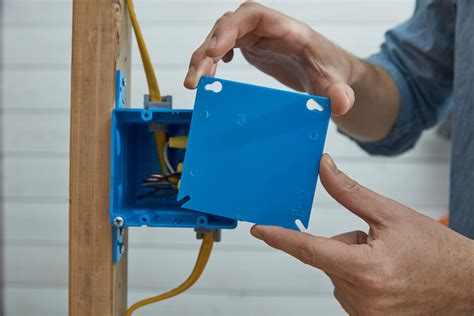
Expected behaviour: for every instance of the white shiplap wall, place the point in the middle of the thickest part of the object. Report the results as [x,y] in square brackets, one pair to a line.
[243,277]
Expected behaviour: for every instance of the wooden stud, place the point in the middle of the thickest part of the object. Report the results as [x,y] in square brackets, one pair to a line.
[100,45]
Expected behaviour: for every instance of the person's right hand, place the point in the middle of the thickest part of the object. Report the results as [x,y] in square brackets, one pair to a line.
[406,264]
[282,47]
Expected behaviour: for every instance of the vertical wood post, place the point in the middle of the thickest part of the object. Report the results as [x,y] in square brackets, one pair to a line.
[100,45]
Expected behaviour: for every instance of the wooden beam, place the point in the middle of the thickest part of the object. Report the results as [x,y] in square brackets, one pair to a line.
[100,44]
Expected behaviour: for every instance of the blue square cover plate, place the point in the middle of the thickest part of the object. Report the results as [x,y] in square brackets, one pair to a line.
[253,153]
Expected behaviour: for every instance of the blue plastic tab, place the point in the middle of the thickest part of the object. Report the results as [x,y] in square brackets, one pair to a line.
[253,153]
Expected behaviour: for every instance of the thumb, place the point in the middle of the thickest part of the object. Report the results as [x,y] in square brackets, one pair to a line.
[342,97]
[368,205]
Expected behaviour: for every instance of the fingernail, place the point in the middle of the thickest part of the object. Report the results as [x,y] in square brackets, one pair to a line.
[331,163]
[213,43]
[256,232]
[349,98]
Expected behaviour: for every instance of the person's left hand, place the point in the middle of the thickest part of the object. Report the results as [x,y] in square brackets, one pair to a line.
[407,264]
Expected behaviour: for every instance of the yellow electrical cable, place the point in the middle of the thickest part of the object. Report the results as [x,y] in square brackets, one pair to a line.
[154,90]
[178,142]
[160,139]
[204,253]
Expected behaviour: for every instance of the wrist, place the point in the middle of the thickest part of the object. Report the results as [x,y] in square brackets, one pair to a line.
[324,59]
[358,70]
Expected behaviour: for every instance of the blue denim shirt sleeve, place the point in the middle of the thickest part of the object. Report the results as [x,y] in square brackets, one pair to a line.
[419,55]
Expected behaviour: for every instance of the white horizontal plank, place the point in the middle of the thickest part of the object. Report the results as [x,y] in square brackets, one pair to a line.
[40,178]
[36,90]
[31,301]
[410,182]
[35,223]
[21,13]
[39,224]
[52,46]
[44,133]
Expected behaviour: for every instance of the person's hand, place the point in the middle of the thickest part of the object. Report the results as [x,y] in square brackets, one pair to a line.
[407,264]
[282,47]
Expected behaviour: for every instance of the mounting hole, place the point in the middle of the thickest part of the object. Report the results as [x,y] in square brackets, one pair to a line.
[193,172]
[202,220]
[144,219]
[311,104]
[215,87]
[146,116]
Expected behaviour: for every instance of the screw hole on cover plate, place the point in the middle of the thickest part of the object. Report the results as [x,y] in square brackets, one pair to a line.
[205,114]
[313,135]
[300,225]
[144,219]
[215,87]
[311,104]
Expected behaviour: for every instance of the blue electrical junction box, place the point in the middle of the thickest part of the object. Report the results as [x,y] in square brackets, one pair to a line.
[140,193]
[245,153]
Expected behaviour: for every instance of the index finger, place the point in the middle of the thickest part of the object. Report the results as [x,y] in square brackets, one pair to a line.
[330,255]
[249,19]
[200,63]
[238,29]
[221,40]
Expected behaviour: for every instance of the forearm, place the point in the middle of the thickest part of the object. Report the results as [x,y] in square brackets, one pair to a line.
[377,102]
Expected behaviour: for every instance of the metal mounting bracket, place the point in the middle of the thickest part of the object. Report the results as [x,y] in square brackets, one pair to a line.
[118,233]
